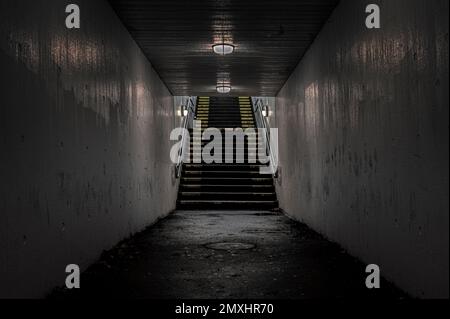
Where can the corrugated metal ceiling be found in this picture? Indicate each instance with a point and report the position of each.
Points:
(270, 38)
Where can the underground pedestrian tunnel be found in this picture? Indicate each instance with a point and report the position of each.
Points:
(342, 165)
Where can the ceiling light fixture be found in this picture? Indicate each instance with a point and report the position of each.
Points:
(223, 88)
(223, 49)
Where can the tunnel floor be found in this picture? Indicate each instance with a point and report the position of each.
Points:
(227, 254)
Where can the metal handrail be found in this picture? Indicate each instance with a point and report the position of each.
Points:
(191, 106)
(262, 123)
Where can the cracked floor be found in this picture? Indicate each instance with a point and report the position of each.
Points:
(227, 254)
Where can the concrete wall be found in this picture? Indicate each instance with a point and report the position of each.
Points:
(364, 140)
(84, 131)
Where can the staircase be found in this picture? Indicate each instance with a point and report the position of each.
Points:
(230, 184)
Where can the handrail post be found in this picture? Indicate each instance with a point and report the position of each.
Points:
(191, 105)
(257, 106)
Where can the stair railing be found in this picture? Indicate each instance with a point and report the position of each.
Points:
(188, 120)
(261, 123)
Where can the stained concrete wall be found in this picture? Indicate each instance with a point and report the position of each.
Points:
(84, 129)
(363, 124)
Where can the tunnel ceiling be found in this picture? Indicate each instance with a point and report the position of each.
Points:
(270, 38)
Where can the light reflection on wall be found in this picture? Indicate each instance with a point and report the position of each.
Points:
(24, 46)
(76, 60)
(73, 60)
(312, 109)
(389, 55)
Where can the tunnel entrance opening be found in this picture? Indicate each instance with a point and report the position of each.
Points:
(232, 178)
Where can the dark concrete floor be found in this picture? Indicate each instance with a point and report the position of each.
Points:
(173, 259)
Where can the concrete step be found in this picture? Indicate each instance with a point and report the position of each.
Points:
(241, 196)
(227, 188)
(226, 204)
(227, 180)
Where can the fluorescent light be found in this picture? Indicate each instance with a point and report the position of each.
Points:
(223, 49)
(223, 89)
(185, 112)
(264, 113)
